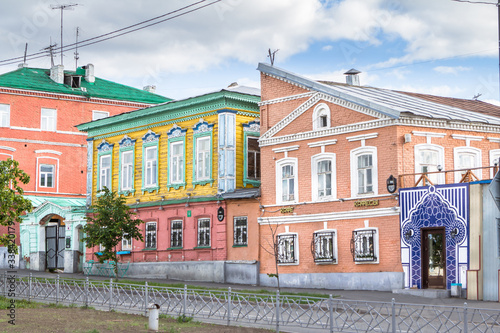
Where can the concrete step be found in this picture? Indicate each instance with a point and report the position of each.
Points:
(428, 293)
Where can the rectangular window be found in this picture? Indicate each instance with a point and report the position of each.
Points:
(4, 115)
(96, 115)
(46, 175)
(324, 179)
(126, 243)
(253, 158)
(127, 170)
(105, 172)
(150, 235)
(323, 246)
(203, 171)
(363, 245)
(204, 232)
(287, 249)
(176, 233)
(240, 230)
(151, 166)
(48, 120)
(429, 163)
(177, 162)
(287, 183)
(365, 174)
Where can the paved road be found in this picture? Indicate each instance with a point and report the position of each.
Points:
(361, 295)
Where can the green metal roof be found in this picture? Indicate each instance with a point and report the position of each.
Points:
(239, 99)
(39, 79)
(36, 201)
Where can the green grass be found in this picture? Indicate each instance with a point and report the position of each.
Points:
(19, 303)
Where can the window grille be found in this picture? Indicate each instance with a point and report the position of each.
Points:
(363, 245)
(286, 253)
(322, 247)
(240, 231)
(204, 232)
(151, 235)
(176, 233)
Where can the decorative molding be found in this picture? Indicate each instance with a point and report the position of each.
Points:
(429, 134)
(287, 98)
(7, 148)
(492, 139)
(252, 126)
(176, 132)
(44, 142)
(150, 136)
(322, 143)
(202, 127)
(362, 137)
(467, 137)
(126, 141)
(333, 216)
(47, 151)
(286, 149)
(105, 147)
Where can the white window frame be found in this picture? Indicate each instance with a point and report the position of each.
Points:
(227, 151)
(319, 235)
(283, 246)
(476, 154)
(127, 171)
(376, 245)
(315, 160)
(44, 175)
(256, 154)
(292, 161)
(150, 167)
(4, 115)
(439, 177)
(177, 172)
(203, 159)
(494, 157)
(126, 243)
(203, 231)
(181, 232)
(48, 122)
(103, 174)
(240, 238)
(320, 111)
(96, 115)
(152, 233)
(364, 150)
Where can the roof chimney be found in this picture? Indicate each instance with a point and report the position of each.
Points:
(57, 74)
(150, 88)
(89, 73)
(352, 77)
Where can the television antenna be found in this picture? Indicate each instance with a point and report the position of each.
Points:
(62, 8)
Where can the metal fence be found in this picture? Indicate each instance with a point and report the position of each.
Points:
(287, 312)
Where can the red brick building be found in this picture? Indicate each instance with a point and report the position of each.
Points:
(39, 109)
(330, 150)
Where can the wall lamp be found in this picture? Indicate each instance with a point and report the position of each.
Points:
(409, 234)
(136, 204)
(161, 203)
(454, 232)
(187, 202)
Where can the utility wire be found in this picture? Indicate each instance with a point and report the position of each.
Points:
(115, 33)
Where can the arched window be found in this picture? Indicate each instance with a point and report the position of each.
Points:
(321, 117)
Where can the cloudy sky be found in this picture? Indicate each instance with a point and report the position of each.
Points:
(440, 47)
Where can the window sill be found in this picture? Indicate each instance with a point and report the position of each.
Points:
(203, 182)
(176, 186)
(174, 248)
(202, 247)
(123, 252)
(150, 189)
(253, 182)
(240, 245)
(149, 249)
(126, 192)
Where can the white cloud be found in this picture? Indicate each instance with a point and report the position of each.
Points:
(451, 70)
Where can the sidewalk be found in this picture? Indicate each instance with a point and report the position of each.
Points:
(358, 295)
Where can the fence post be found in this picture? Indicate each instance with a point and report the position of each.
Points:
(30, 286)
(330, 306)
(466, 328)
(277, 311)
(393, 315)
(86, 292)
(184, 306)
(110, 294)
(229, 308)
(146, 298)
(5, 284)
(57, 289)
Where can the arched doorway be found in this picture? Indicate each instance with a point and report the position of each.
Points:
(55, 236)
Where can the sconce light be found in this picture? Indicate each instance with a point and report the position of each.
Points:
(409, 234)
(440, 167)
(341, 200)
(454, 232)
(187, 202)
(136, 204)
(392, 184)
(161, 203)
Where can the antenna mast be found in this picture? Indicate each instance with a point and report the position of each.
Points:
(76, 48)
(62, 8)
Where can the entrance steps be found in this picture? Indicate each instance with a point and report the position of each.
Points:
(428, 293)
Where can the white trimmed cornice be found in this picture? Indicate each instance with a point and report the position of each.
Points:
(467, 137)
(492, 139)
(333, 216)
(47, 151)
(429, 134)
(7, 148)
(44, 142)
(286, 99)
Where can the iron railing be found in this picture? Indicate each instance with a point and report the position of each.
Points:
(290, 312)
